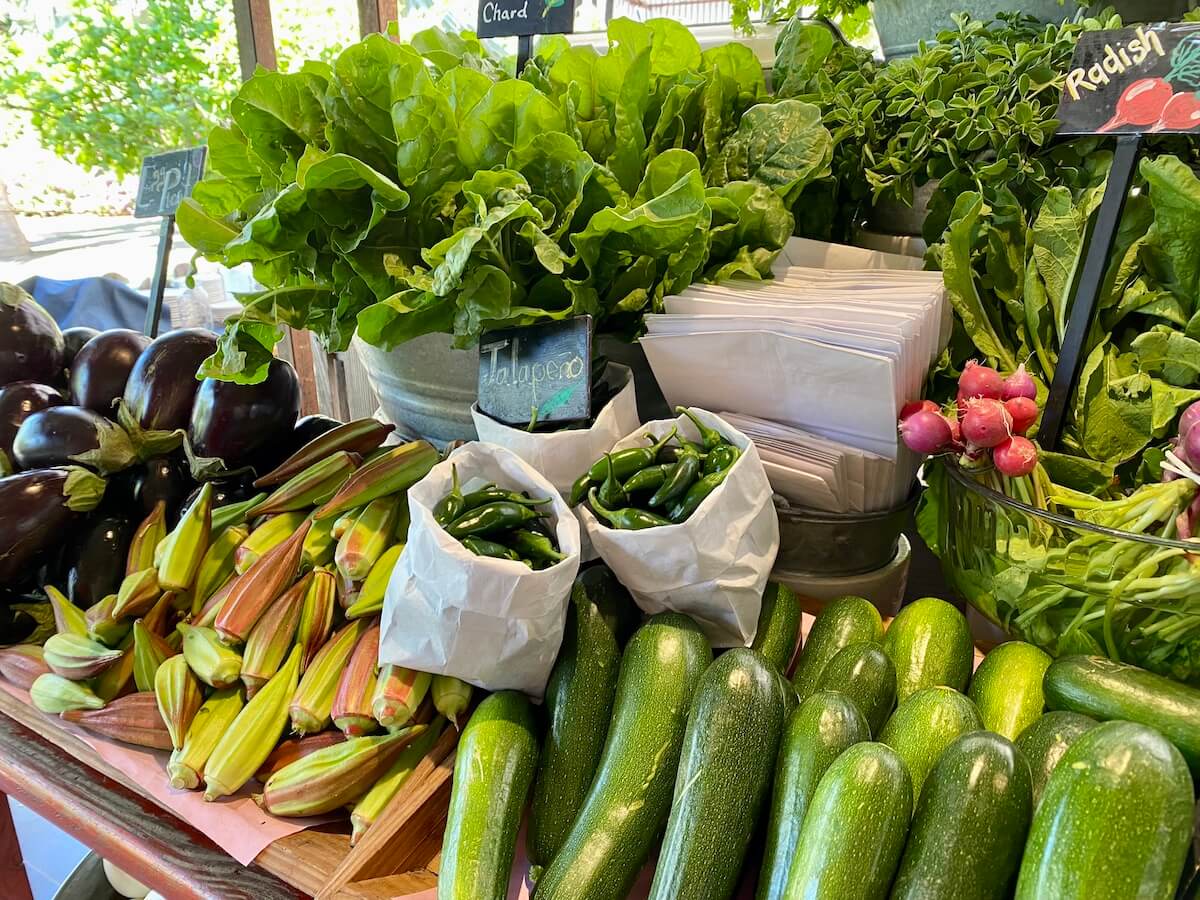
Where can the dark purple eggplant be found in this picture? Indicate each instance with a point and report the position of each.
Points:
(234, 489)
(73, 341)
(157, 404)
(62, 435)
(163, 478)
(102, 368)
(18, 401)
(234, 425)
(36, 509)
(31, 346)
(16, 625)
(309, 428)
(98, 556)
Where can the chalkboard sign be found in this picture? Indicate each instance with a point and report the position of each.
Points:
(506, 18)
(1135, 80)
(540, 370)
(166, 179)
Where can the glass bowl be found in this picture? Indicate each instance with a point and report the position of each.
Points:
(1066, 585)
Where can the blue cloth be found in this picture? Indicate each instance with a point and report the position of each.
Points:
(99, 303)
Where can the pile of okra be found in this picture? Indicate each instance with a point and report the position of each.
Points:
(662, 484)
(502, 524)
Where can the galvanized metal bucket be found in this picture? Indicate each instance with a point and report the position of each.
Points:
(427, 387)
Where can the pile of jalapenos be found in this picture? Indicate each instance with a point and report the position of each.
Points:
(498, 523)
(663, 484)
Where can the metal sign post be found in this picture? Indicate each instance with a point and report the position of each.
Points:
(1124, 82)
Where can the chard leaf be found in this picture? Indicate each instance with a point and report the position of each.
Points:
(404, 316)
(245, 351)
(510, 115)
(782, 145)
(1114, 406)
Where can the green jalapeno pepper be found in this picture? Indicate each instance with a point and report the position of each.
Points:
(493, 494)
(686, 471)
(672, 454)
(648, 479)
(695, 496)
(503, 515)
(481, 547)
(721, 458)
(710, 437)
(453, 504)
(610, 492)
(535, 546)
(625, 463)
(629, 519)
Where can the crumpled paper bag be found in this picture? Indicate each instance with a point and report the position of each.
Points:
(715, 565)
(495, 623)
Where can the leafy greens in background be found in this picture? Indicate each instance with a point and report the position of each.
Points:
(415, 188)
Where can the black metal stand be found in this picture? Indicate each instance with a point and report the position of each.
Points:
(158, 286)
(524, 51)
(1097, 248)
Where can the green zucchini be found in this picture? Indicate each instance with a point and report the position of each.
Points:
(1105, 689)
(815, 735)
(1114, 822)
(846, 620)
(494, 767)
(929, 644)
(724, 778)
(926, 724)
(863, 672)
(579, 698)
(630, 798)
(1046, 741)
(969, 827)
(854, 832)
(1007, 688)
(778, 626)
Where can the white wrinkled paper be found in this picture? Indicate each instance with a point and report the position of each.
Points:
(495, 623)
(715, 565)
(562, 455)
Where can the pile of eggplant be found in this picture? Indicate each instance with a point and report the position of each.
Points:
(97, 427)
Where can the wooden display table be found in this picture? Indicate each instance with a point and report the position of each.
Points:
(60, 778)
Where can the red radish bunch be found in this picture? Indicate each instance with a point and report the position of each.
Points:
(990, 418)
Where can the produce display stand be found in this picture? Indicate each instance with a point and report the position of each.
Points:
(60, 778)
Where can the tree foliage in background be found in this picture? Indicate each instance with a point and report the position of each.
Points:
(110, 88)
(118, 80)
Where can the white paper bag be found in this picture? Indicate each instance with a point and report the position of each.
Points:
(562, 455)
(715, 565)
(495, 623)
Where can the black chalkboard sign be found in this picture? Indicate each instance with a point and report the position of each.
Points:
(1135, 80)
(541, 372)
(166, 179)
(506, 18)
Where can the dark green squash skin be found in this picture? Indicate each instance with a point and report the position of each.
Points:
(1114, 822)
(1104, 689)
(778, 626)
(844, 621)
(865, 674)
(724, 778)
(1047, 740)
(814, 735)
(969, 827)
(924, 725)
(493, 770)
(854, 832)
(578, 707)
(930, 644)
(629, 800)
